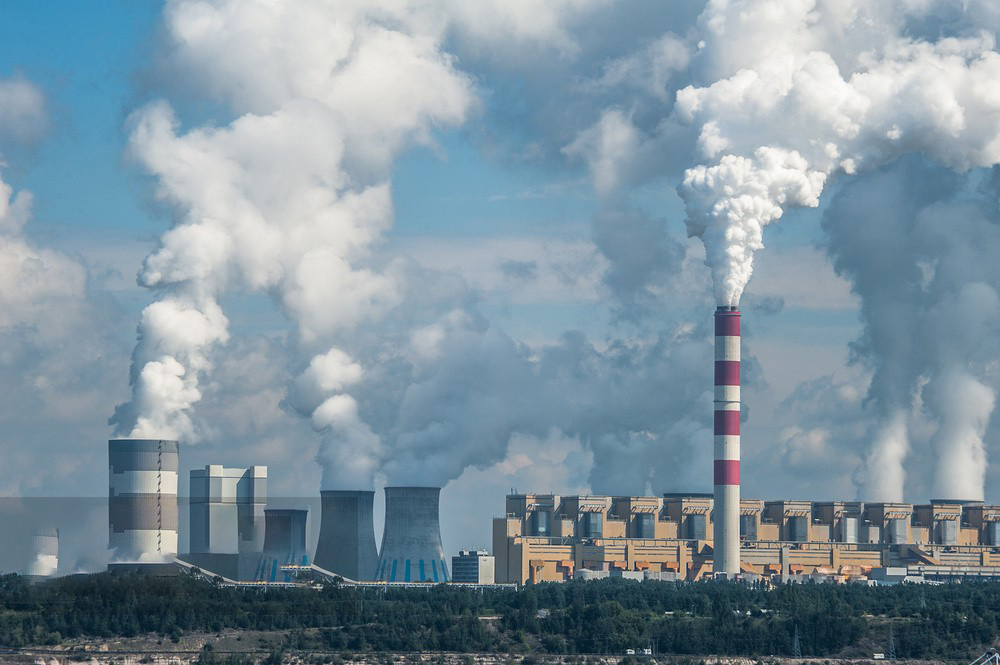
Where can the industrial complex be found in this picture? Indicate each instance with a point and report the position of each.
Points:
(236, 535)
(555, 538)
(233, 535)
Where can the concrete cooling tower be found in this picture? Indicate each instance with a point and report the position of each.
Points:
(726, 558)
(411, 543)
(45, 556)
(142, 501)
(284, 544)
(347, 534)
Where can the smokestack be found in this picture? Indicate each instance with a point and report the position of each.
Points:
(142, 501)
(411, 543)
(347, 534)
(727, 442)
(284, 543)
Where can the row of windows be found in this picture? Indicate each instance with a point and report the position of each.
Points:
(695, 527)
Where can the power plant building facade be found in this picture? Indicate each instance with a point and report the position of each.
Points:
(227, 509)
(142, 499)
(546, 537)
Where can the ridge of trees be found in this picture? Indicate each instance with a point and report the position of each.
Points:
(952, 621)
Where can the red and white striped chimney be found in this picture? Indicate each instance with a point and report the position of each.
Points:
(727, 442)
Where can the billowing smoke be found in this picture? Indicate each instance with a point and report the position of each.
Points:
(931, 312)
(395, 365)
(775, 122)
(288, 198)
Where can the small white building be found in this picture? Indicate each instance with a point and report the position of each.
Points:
(473, 567)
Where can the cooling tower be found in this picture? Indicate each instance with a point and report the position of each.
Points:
(411, 543)
(726, 558)
(284, 544)
(347, 534)
(45, 555)
(142, 501)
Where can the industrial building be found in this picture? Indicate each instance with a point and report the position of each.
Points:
(546, 537)
(411, 542)
(473, 567)
(284, 544)
(227, 509)
(234, 536)
(226, 523)
(142, 499)
(346, 544)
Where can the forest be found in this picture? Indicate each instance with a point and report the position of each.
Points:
(951, 621)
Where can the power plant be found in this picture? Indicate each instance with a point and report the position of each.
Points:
(232, 535)
(142, 499)
(411, 542)
(671, 538)
(346, 544)
(542, 537)
(726, 561)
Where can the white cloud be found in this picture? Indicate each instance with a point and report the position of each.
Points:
(23, 113)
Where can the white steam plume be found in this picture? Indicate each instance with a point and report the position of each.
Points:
(288, 198)
(930, 308)
(796, 96)
(964, 405)
(882, 477)
(776, 121)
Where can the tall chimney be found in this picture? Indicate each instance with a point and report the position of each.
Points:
(727, 442)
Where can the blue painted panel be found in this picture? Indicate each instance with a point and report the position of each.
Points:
(444, 571)
(434, 568)
(423, 576)
(392, 578)
(407, 577)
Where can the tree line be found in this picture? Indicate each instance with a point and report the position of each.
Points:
(952, 621)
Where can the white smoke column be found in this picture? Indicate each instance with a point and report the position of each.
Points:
(289, 197)
(961, 324)
(351, 451)
(883, 477)
(800, 90)
(965, 405)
